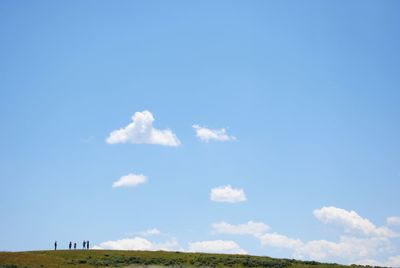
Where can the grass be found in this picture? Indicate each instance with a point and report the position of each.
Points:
(150, 259)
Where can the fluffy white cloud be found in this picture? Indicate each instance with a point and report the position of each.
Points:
(139, 243)
(130, 180)
(351, 221)
(141, 130)
(216, 246)
(136, 243)
(227, 194)
(249, 228)
(278, 240)
(206, 134)
(393, 220)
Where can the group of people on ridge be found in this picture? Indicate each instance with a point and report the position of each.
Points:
(85, 245)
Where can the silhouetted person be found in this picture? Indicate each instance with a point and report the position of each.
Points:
(75, 245)
(84, 244)
(70, 245)
(87, 244)
(55, 245)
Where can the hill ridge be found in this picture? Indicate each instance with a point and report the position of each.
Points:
(123, 258)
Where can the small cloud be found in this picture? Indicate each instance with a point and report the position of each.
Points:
(206, 134)
(249, 228)
(136, 243)
(130, 180)
(279, 240)
(139, 243)
(394, 220)
(151, 232)
(141, 131)
(227, 194)
(216, 246)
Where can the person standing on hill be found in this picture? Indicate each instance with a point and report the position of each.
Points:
(84, 244)
(75, 246)
(87, 244)
(70, 245)
(55, 245)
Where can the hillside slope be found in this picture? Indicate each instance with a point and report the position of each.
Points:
(114, 258)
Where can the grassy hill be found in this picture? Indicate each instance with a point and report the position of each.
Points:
(153, 259)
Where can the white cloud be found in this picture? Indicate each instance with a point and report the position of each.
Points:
(227, 194)
(136, 243)
(151, 232)
(278, 240)
(258, 230)
(351, 221)
(206, 134)
(141, 131)
(249, 228)
(216, 246)
(130, 180)
(395, 220)
(139, 243)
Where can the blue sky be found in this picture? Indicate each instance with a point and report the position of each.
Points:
(297, 104)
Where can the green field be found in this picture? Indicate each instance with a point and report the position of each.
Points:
(115, 258)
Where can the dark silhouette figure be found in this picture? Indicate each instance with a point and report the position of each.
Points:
(55, 245)
(87, 244)
(84, 244)
(75, 245)
(70, 245)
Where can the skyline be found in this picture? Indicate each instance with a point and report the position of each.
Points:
(264, 128)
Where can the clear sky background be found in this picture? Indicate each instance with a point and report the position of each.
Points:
(310, 90)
